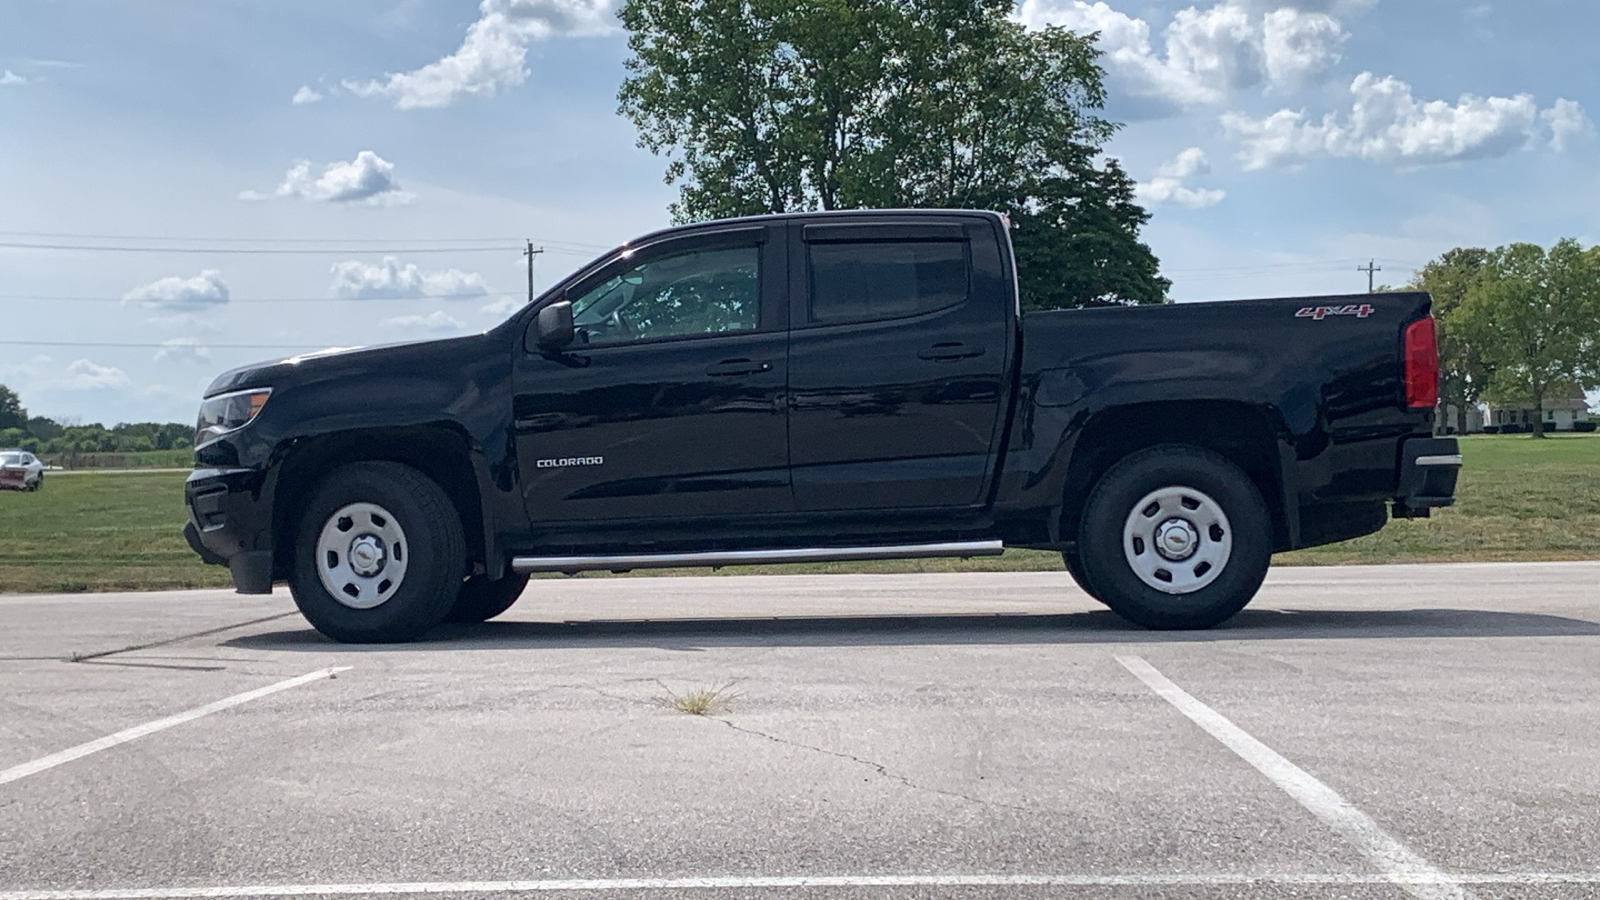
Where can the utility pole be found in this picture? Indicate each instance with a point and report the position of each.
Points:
(1369, 268)
(530, 253)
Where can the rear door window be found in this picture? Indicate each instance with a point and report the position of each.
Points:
(853, 281)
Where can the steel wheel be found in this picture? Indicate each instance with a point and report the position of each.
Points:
(361, 555)
(1177, 540)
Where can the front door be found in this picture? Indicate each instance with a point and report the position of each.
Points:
(670, 404)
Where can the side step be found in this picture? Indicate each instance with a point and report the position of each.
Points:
(719, 558)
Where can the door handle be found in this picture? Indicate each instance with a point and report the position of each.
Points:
(948, 350)
(738, 367)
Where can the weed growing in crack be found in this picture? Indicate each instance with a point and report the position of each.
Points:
(707, 701)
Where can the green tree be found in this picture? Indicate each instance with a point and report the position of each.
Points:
(1533, 319)
(1462, 374)
(12, 415)
(770, 106)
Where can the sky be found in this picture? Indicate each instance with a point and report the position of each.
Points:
(165, 165)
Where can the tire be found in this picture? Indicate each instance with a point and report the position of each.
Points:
(1074, 563)
(1175, 537)
(378, 554)
(481, 599)
(38, 483)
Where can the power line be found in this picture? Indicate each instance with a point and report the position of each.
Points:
(195, 346)
(494, 295)
(211, 239)
(345, 251)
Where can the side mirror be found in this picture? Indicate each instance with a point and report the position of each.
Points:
(553, 326)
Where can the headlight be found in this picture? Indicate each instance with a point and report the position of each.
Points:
(226, 412)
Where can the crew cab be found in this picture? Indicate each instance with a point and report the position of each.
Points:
(820, 386)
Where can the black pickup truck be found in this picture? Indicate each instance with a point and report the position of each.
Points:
(823, 386)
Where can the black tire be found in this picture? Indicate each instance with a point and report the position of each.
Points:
(1183, 472)
(38, 483)
(481, 599)
(433, 551)
(1074, 563)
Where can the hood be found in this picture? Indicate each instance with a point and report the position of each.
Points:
(337, 360)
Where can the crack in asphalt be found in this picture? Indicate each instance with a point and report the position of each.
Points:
(86, 657)
(878, 767)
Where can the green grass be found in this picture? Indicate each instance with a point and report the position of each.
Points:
(100, 532)
(1519, 500)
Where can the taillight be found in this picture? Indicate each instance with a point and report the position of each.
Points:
(1422, 365)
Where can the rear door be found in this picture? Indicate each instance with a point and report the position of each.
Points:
(899, 352)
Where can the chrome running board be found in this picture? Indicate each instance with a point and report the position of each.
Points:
(719, 558)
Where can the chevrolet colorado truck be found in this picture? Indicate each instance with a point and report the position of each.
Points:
(820, 386)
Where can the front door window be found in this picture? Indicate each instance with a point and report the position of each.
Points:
(693, 293)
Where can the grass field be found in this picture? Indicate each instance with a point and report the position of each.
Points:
(1519, 500)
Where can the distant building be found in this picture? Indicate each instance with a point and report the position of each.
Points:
(1559, 415)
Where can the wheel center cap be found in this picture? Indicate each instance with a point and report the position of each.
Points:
(1176, 539)
(367, 555)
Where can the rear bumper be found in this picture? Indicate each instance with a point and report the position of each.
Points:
(1428, 470)
(230, 524)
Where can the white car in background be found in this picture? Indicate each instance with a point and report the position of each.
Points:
(21, 470)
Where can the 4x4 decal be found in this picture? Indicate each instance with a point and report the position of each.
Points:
(1359, 310)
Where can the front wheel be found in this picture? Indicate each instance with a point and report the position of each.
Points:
(1175, 537)
(378, 554)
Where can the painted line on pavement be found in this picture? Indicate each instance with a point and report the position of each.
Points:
(598, 885)
(1399, 863)
(44, 763)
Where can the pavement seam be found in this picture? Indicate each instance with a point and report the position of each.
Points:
(86, 657)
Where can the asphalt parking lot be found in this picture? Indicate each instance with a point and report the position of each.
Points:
(1383, 732)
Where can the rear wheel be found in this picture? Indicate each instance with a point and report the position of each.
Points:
(378, 554)
(1175, 537)
(481, 599)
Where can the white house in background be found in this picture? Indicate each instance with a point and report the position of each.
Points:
(1559, 415)
(1474, 418)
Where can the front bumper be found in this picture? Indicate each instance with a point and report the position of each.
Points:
(230, 524)
(1428, 470)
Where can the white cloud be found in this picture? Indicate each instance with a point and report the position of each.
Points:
(204, 290)
(83, 375)
(507, 304)
(389, 280)
(1167, 186)
(1297, 46)
(369, 178)
(9, 77)
(183, 349)
(305, 95)
(491, 55)
(1387, 124)
(436, 321)
(1209, 54)
(1566, 121)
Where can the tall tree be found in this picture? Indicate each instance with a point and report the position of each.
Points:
(12, 415)
(1533, 318)
(782, 105)
(1462, 374)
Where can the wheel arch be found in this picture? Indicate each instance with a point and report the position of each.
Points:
(443, 452)
(1240, 432)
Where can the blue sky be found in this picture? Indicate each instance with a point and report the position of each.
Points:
(1279, 145)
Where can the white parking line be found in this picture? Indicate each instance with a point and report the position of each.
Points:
(138, 731)
(600, 885)
(1399, 863)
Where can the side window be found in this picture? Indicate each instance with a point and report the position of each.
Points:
(853, 281)
(693, 292)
